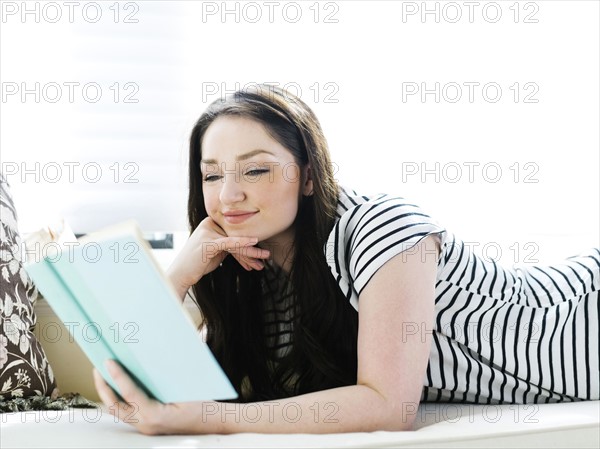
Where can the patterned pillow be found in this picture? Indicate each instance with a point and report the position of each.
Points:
(24, 368)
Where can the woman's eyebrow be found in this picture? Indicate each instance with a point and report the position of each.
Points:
(239, 157)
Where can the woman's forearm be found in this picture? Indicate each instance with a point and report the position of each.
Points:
(180, 288)
(356, 408)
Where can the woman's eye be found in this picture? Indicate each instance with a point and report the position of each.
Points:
(209, 178)
(256, 172)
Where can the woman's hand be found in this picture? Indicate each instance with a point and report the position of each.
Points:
(206, 248)
(138, 410)
(148, 416)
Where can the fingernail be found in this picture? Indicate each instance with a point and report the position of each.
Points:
(110, 364)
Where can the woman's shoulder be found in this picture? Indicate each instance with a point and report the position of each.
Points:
(350, 201)
(349, 198)
(369, 231)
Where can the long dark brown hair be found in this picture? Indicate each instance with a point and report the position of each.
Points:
(325, 325)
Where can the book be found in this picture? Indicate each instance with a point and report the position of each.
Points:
(117, 303)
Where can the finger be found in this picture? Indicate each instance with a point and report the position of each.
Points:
(251, 252)
(130, 392)
(231, 244)
(249, 264)
(254, 263)
(214, 225)
(122, 411)
(243, 263)
(105, 392)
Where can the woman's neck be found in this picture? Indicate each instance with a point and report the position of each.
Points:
(282, 250)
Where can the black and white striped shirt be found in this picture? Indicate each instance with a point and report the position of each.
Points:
(279, 314)
(500, 334)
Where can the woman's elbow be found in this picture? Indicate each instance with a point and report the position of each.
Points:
(400, 416)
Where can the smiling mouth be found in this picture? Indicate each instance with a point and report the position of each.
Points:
(235, 219)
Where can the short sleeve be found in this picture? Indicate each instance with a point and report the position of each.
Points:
(371, 232)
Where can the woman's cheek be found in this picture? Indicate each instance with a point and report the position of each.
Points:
(211, 203)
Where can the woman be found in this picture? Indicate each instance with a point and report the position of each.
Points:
(351, 309)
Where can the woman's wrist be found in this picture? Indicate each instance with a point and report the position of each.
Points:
(181, 287)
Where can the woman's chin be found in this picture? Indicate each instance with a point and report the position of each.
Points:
(241, 232)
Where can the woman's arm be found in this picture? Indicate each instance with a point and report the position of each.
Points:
(205, 249)
(395, 321)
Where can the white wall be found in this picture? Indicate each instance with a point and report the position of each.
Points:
(357, 66)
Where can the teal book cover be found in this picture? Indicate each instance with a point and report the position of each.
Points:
(109, 283)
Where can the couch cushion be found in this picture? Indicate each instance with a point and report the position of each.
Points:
(563, 424)
(24, 367)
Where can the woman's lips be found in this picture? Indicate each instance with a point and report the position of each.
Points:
(238, 218)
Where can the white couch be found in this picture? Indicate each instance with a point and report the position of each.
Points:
(437, 425)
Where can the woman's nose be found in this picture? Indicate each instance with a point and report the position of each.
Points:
(231, 190)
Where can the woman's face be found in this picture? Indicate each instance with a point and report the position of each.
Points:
(251, 183)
